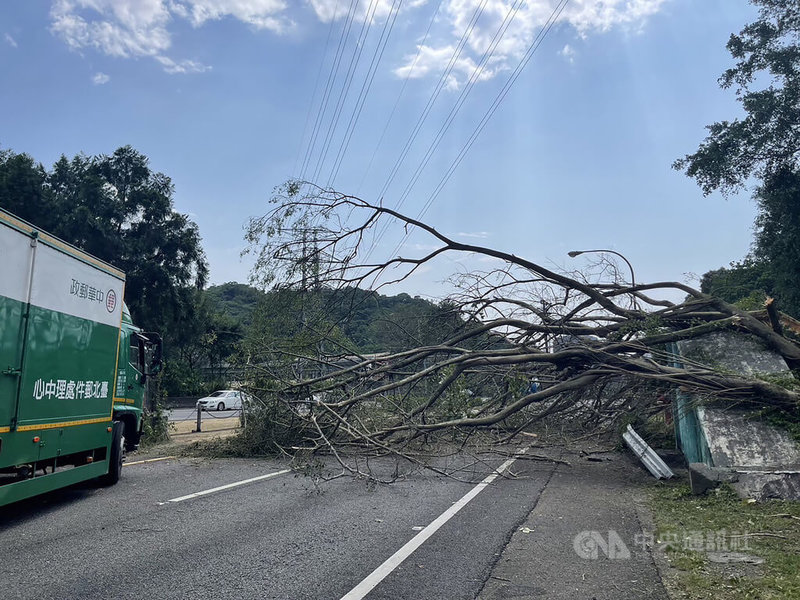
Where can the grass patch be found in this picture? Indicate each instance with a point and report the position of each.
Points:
(689, 527)
(270, 430)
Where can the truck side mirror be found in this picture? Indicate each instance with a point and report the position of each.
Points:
(156, 363)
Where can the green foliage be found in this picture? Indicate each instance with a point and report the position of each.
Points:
(770, 530)
(290, 324)
(117, 209)
(202, 350)
(777, 242)
(270, 428)
(457, 399)
(349, 320)
(774, 269)
(786, 419)
(748, 283)
(652, 324)
(23, 188)
(766, 77)
(155, 426)
(740, 281)
(763, 146)
(236, 301)
(297, 261)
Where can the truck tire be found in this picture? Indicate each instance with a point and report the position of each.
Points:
(115, 455)
(132, 436)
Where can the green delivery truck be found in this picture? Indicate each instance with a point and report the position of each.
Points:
(74, 370)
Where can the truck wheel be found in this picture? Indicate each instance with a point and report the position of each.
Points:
(132, 437)
(221, 406)
(115, 456)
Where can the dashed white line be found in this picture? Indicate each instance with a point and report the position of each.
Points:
(396, 559)
(227, 486)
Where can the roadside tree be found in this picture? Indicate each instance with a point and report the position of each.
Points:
(532, 342)
(762, 148)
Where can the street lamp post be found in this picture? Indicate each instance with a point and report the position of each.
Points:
(575, 253)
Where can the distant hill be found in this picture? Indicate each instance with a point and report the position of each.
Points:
(371, 321)
(235, 300)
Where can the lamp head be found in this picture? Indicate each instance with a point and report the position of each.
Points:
(574, 253)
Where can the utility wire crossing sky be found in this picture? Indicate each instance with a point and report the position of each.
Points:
(537, 127)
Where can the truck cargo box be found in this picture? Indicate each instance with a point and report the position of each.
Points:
(60, 323)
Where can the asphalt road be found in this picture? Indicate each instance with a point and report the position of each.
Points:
(279, 537)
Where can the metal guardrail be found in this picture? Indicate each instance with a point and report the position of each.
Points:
(647, 455)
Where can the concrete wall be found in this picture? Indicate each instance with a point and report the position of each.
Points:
(764, 461)
(735, 352)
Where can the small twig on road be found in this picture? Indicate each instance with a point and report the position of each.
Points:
(536, 457)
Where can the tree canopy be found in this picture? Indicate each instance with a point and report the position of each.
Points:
(533, 342)
(116, 208)
(777, 240)
(766, 79)
(761, 148)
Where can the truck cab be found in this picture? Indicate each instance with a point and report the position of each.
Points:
(139, 359)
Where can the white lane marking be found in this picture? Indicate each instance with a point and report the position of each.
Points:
(148, 460)
(396, 559)
(227, 486)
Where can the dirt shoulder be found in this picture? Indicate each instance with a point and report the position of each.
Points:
(182, 434)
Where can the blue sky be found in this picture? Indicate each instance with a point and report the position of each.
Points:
(222, 95)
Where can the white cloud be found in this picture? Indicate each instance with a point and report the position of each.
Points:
(427, 61)
(122, 28)
(568, 52)
(184, 66)
(584, 16)
(263, 14)
(480, 235)
(144, 28)
(329, 10)
(10, 40)
(100, 78)
(136, 28)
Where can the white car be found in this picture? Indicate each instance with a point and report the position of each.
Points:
(223, 400)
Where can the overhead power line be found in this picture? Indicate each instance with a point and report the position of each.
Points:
(434, 95)
(474, 77)
(530, 51)
(345, 89)
(328, 88)
(496, 103)
(365, 88)
(312, 102)
(426, 111)
(465, 91)
(399, 96)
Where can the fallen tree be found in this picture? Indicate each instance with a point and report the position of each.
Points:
(530, 342)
